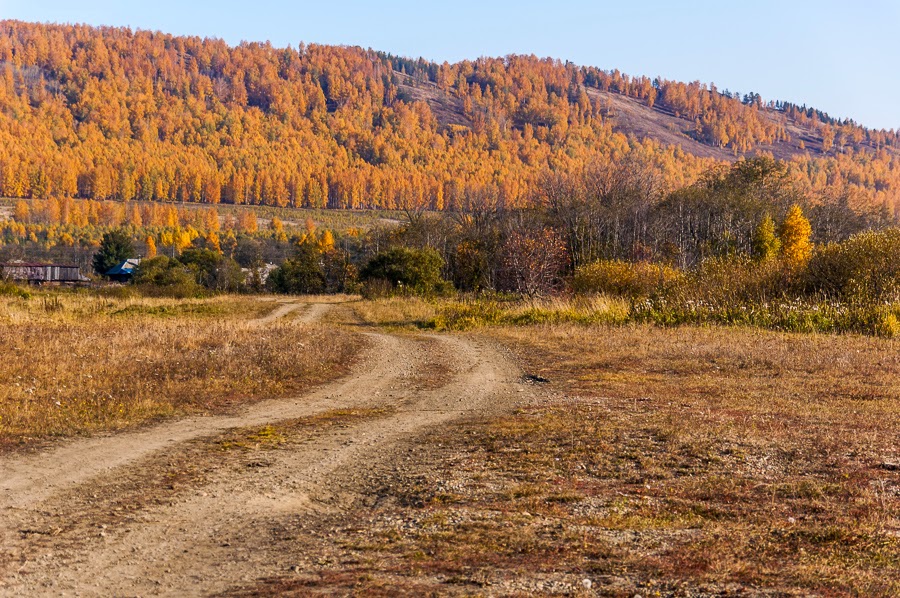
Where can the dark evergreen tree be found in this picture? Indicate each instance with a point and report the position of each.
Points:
(115, 248)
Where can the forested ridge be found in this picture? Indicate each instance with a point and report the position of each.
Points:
(111, 113)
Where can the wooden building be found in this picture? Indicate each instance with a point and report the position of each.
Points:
(35, 273)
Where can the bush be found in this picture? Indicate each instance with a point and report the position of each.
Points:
(213, 270)
(865, 267)
(10, 289)
(402, 270)
(888, 326)
(302, 274)
(533, 262)
(624, 279)
(165, 277)
(735, 281)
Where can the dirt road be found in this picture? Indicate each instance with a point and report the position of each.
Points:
(170, 511)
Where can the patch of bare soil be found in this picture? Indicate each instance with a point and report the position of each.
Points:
(447, 109)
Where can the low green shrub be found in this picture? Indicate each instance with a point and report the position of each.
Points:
(302, 274)
(166, 277)
(404, 271)
(11, 289)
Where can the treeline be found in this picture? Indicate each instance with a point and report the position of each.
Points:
(111, 113)
(66, 230)
(609, 211)
(623, 212)
(743, 244)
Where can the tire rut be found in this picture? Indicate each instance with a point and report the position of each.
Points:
(207, 542)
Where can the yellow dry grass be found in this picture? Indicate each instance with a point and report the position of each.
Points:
(76, 363)
(395, 312)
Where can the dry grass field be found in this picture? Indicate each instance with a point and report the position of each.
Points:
(713, 455)
(673, 462)
(614, 460)
(77, 363)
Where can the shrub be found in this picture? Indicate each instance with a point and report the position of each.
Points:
(402, 270)
(624, 279)
(888, 326)
(865, 267)
(165, 277)
(10, 289)
(213, 270)
(533, 262)
(735, 280)
(302, 274)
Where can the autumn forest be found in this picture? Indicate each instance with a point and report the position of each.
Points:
(111, 113)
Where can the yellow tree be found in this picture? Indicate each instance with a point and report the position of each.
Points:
(213, 241)
(827, 138)
(326, 241)
(277, 227)
(182, 241)
(247, 222)
(21, 212)
(796, 247)
(151, 247)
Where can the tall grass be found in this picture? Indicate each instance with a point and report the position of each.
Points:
(76, 363)
(478, 312)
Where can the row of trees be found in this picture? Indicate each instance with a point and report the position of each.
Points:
(742, 234)
(611, 213)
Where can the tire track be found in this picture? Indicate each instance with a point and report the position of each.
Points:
(207, 542)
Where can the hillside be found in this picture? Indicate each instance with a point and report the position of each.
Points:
(635, 118)
(110, 113)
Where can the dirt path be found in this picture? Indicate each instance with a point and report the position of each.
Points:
(215, 532)
(283, 309)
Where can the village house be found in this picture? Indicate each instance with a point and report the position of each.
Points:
(39, 273)
(124, 271)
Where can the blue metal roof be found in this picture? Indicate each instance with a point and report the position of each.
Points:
(126, 267)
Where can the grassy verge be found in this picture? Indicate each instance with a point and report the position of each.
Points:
(786, 315)
(468, 313)
(77, 363)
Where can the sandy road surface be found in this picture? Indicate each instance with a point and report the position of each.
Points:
(220, 534)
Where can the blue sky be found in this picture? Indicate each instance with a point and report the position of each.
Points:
(839, 56)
